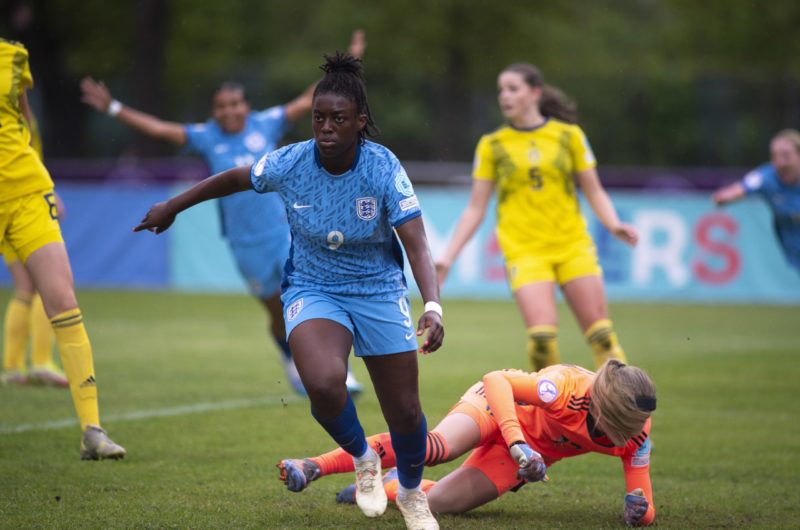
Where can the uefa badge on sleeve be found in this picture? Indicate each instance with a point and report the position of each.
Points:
(367, 208)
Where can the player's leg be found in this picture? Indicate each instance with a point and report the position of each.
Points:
(485, 475)
(395, 379)
(16, 327)
(537, 303)
(43, 366)
(456, 434)
(49, 267)
(37, 240)
(532, 281)
(581, 280)
(320, 347)
(586, 298)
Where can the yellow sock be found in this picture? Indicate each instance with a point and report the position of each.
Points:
(41, 334)
(543, 347)
(15, 334)
(604, 343)
(76, 355)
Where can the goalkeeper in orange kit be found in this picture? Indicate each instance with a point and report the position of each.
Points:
(518, 424)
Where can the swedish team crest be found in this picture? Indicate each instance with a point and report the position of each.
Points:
(367, 208)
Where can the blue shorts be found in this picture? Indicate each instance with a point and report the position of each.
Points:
(261, 264)
(379, 327)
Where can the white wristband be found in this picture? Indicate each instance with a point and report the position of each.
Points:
(113, 108)
(433, 306)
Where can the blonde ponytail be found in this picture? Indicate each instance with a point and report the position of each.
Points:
(622, 399)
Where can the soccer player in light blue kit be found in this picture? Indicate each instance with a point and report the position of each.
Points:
(253, 224)
(778, 182)
(348, 201)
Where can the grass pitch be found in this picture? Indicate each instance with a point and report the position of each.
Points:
(192, 387)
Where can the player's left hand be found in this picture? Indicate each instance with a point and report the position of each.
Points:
(531, 464)
(431, 321)
(635, 507)
(157, 219)
(626, 233)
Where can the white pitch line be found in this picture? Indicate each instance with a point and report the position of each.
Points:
(196, 408)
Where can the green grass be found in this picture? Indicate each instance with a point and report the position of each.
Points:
(726, 432)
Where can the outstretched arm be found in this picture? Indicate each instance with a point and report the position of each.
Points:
(639, 509)
(603, 207)
(468, 223)
(415, 243)
(300, 105)
(96, 95)
(162, 215)
(727, 194)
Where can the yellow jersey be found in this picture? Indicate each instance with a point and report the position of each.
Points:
(534, 175)
(21, 170)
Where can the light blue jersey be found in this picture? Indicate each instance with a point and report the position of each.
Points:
(247, 217)
(343, 242)
(784, 201)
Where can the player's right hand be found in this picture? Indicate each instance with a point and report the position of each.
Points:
(635, 507)
(157, 219)
(432, 321)
(95, 94)
(531, 465)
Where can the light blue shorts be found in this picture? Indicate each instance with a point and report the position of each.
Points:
(261, 264)
(379, 327)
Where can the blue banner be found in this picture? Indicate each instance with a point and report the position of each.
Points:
(688, 249)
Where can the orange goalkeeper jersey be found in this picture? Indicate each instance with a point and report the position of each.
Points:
(549, 410)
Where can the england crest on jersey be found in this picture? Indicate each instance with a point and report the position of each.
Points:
(367, 208)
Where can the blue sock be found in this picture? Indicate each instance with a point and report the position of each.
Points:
(346, 430)
(410, 452)
(284, 347)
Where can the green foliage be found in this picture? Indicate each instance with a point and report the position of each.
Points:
(725, 433)
(672, 82)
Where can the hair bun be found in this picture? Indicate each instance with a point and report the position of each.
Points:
(341, 62)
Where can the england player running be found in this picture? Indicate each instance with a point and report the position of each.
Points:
(778, 183)
(348, 199)
(253, 224)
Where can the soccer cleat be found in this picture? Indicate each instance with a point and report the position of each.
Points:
(348, 494)
(48, 374)
(293, 376)
(416, 512)
(14, 377)
(297, 474)
(96, 445)
(353, 386)
(370, 495)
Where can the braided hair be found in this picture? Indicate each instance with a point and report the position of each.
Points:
(344, 76)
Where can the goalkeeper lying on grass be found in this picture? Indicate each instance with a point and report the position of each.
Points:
(517, 425)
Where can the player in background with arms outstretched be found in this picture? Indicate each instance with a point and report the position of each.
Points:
(25, 320)
(519, 424)
(778, 183)
(533, 162)
(253, 224)
(29, 224)
(348, 201)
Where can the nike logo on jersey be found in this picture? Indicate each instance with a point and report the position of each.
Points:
(409, 335)
(300, 206)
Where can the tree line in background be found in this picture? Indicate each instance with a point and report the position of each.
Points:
(670, 82)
